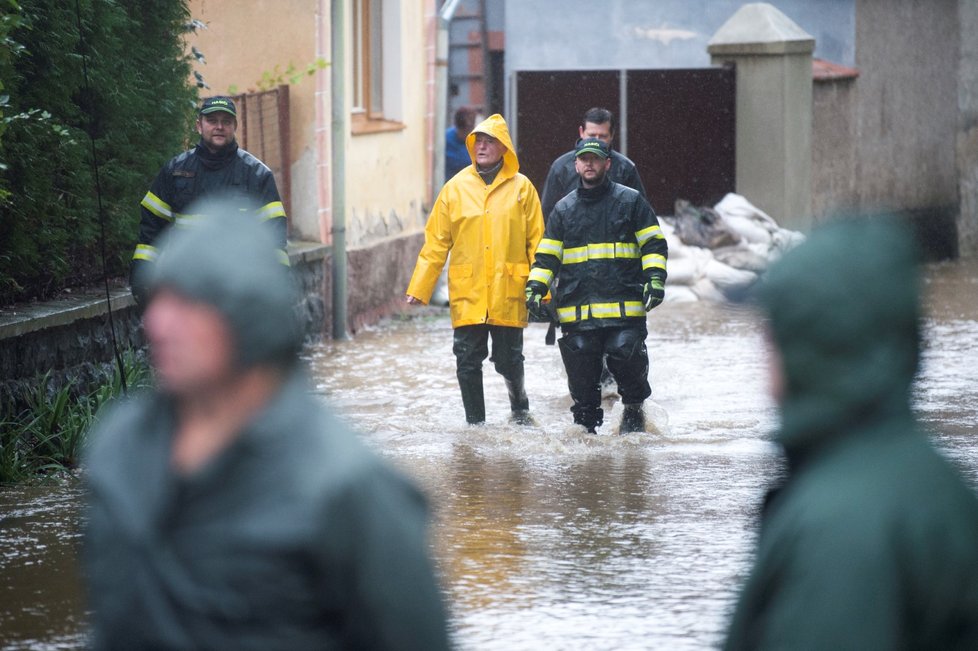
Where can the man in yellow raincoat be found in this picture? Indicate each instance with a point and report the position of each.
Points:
(488, 217)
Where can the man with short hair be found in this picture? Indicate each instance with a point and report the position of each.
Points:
(229, 509)
(563, 177)
(604, 247)
(216, 166)
(488, 218)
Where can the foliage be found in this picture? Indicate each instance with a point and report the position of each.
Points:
(137, 104)
(276, 77)
(45, 436)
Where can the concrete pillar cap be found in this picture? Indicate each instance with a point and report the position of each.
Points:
(760, 28)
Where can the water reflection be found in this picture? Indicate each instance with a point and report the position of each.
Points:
(546, 537)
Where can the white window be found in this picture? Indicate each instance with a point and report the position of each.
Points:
(376, 57)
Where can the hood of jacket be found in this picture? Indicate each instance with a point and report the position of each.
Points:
(495, 126)
(228, 259)
(843, 313)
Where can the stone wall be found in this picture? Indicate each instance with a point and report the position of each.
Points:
(887, 140)
(70, 338)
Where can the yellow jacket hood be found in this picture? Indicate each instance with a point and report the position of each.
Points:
(495, 126)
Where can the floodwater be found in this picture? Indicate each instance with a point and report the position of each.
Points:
(547, 537)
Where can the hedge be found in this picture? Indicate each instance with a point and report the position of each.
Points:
(138, 106)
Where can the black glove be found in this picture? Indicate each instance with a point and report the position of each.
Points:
(652, 293)
(535, 291)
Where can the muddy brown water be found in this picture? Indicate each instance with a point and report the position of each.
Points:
(545, 536)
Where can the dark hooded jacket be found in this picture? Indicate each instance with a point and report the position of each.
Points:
(293, 537)
(872, 541)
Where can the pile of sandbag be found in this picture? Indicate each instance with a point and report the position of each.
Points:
(715, 253)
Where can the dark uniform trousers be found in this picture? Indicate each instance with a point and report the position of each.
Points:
(471, 347)
(628, 361)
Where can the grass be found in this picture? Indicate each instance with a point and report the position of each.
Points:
(43, 438)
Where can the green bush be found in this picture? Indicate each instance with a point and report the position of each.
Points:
(44, 436)
(139, 108)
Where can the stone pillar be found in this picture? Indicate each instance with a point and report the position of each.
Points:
(773, 59)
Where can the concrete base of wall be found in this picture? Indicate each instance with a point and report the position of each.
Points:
(70, 338)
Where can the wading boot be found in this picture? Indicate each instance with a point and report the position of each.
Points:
(632, 419)
(473, 400)
(518, 402)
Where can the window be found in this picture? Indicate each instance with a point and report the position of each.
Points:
(376, 52)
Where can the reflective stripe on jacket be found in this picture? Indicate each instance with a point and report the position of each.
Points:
(603, 244)
(188, 177)
(491, 232)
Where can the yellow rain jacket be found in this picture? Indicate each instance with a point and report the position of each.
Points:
(492, 232)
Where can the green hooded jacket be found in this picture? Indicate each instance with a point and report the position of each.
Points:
(293, 537)
(872, 541)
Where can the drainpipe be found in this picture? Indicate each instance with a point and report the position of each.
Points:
(441, 93)
(338, 160)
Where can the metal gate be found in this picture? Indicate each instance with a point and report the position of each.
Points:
(263, 130)
(676, 125)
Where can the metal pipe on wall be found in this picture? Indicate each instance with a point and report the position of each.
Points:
(441, 93)
(338, 160)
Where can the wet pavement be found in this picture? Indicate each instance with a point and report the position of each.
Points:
(546, 536)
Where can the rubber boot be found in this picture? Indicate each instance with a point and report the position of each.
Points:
(473, 400)
(518, 402)
(632, 419)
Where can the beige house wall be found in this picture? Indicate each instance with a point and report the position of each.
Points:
(387, 171)
(239, 47)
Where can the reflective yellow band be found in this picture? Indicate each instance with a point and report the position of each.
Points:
(553, 247)
(145, 252)
(653, 261)
(575, 255)
(157, 206)
(271, 211)
(541, 275)
(185, 220)
(626, 250)
(601, 251)
(283, 257)
(601, 311)
(647, 234)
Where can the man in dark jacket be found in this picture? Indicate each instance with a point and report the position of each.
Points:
(230, 509)
(872, 541)
(562, 178)
(604, 247)
(215, 167)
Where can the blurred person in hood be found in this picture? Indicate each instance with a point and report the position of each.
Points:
(488, 218)
(228, 508)
(872, 540)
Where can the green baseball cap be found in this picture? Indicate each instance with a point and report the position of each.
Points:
(218, 103)
(592, 146)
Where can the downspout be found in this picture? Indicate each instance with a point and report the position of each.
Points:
(441, 93)
(338, 160)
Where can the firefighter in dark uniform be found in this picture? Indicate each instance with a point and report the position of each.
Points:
(604, 246)
(216, 166)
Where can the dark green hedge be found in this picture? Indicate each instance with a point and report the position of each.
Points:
(139, 107)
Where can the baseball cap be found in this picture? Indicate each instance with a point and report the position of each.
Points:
(218, 103)
(592, 146)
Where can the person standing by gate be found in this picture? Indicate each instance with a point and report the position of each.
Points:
(563, 177)
(604, 247)
(216, 167)
(488, 218)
